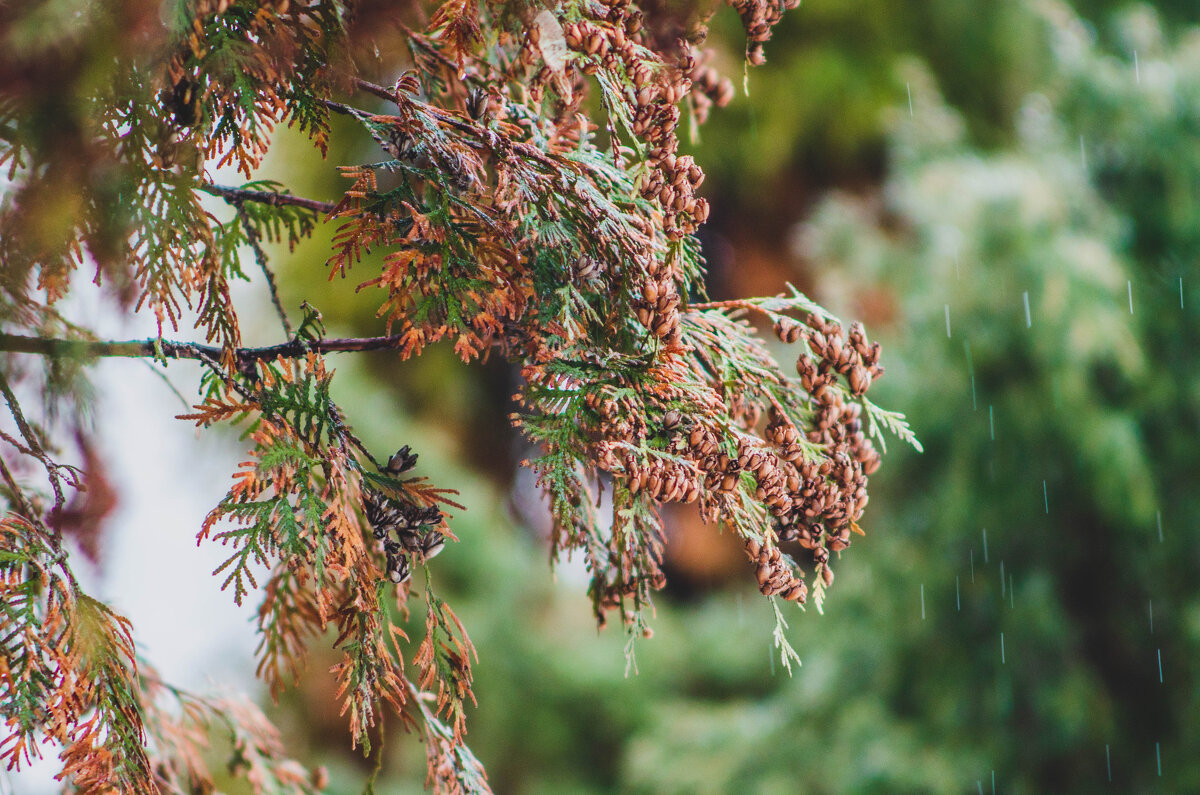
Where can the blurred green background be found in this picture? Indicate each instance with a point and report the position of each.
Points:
(1007, 194)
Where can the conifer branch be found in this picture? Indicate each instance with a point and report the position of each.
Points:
(169, 349)
(347, 110)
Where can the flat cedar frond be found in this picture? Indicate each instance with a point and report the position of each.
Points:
(169, 241)
(342, 498)
(106, 746)
(287, 618)
(69, 674)
(295, 505)
(216, 311)
(444, 660)
(371, 672)
(456, 23)
(234, 74)
(221, 408)
(353, 239)
(38, 672)
(68, 670)
(259, 754)
(288, 522)
(426, 494)
(280, 223)
(502, 226)
(453, 769)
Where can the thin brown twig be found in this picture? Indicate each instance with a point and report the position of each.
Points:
(238, 195)
(260, 257)
(20, 447)
(34, 443)
(23, 502)
(346, 110)
(167, 381)
(376, 89)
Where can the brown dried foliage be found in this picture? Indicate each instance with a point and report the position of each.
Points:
(503, 227)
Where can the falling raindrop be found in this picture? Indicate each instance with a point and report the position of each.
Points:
(971, 372)
(922, 601)
(1108, 762)
(1137, 72)
(1045, 496)
(947, 321)
(993, 782)
(1158, 756)
(1181, 292)
(1160, 678)
(910, 107)
(979, 783)
(1129, 286)
(992, 422)
(1028, 318)
(1001, 650)
(1160, 535)
(985, 545)
(1082, 153)
(1002, 587)
(957, 595)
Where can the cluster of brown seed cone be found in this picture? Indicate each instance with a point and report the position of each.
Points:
(811, 479)
(775, 576)
(709, 87)
(613, 39)
(758, 17)
(849, 355)
(403, 528)
(658, 309)
(813, 483)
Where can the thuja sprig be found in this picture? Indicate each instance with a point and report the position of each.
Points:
(68, 669)
(296, 506)
(35, 614)
(445, 658)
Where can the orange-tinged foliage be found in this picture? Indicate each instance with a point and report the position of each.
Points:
(505, 228)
